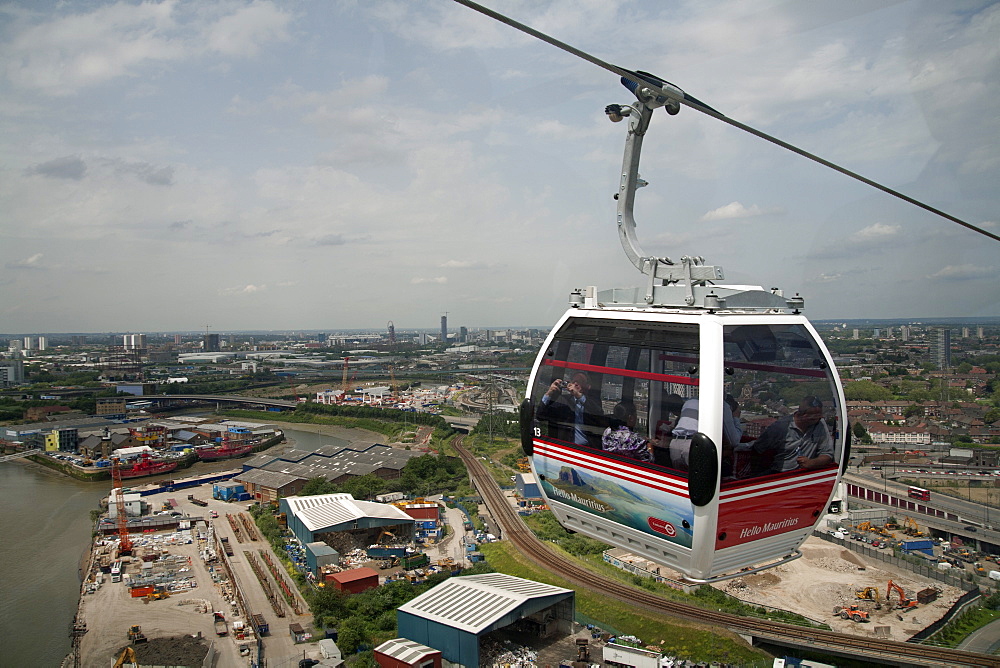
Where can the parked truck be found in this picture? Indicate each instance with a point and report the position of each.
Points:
(221, 628)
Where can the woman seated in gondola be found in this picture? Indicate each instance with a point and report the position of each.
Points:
(621, 437)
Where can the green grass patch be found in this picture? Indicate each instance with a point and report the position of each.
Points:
(671, 636)
(389, 429)
(959, 629)
(965, 624)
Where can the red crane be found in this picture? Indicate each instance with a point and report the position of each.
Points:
(124, 542)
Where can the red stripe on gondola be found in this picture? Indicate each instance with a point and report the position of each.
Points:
(735, 486)
(607, 466)
(645, 375)
(792, 371)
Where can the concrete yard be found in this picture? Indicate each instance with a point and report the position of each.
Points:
(175, 622)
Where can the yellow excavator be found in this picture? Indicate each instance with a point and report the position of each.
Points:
(870, 594)
(910, 528)
(127, 659)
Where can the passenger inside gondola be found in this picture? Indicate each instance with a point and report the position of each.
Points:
(687, 426)
(572, 412)
(622, 438)
(800, 441)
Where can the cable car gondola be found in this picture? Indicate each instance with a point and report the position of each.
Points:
(726, 396)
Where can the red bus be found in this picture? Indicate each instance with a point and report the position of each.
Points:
(918, 493)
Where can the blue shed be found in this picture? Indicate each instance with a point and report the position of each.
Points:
(320, 554)
(454, 615)
(228, 490)
(527, 486)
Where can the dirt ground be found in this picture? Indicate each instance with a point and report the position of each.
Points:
(828, 575)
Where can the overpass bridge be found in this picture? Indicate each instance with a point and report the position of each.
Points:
(282, 404)
(946, 516)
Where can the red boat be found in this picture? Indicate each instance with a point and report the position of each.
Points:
(145, 466)
(238, 441)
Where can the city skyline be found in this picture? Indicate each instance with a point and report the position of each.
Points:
(321, 165)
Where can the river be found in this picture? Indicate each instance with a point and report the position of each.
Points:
(46, 530)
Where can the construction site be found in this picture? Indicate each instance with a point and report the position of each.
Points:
(201, 586)
(205, 589)
(849, 592)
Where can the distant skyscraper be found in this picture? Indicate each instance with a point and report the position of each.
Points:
(177, 339)
(940, 348)
(965, 332)
(210, 343)
(877, 333)
(904, 332)
(29, 343)
(43, 343)
(11, 372)
(134, 341)
(857, 334)
(444, 327)
(979, 332)
(463, 334)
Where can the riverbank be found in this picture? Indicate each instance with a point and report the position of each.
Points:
(89, 474)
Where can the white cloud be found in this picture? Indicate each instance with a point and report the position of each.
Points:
(964, 272)
(876, 232)
(737, 210)
(420, 280)
(33, 262)
(244, 290)
(64, 54)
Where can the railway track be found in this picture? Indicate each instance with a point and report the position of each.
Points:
(872, 649)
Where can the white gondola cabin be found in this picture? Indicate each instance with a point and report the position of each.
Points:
(699, 425)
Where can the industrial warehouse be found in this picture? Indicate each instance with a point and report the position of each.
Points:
(458, 616)
(268, 477)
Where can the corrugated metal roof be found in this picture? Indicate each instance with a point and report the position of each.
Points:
(325, 510)
(269, 479)
(407, 651)
(473, 602)
(362, 573)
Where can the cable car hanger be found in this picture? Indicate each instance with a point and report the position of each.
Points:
(653, 92)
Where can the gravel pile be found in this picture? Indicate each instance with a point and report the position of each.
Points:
(177, 651)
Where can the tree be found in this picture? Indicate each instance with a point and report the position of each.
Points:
(913, 411)
(866, 390)
(991, 416)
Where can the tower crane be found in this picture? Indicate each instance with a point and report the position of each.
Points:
(346, 383)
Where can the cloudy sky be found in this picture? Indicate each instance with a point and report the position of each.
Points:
(331, 165)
